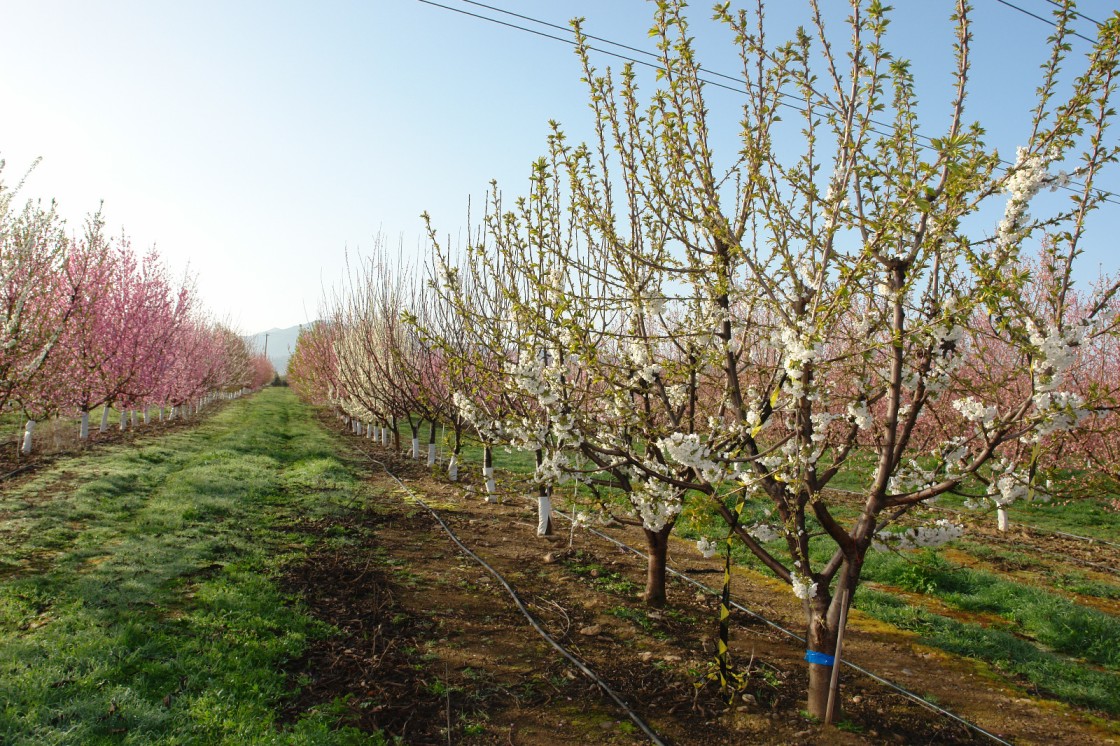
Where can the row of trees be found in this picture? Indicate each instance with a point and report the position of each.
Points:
(669, 328)
(88, 322)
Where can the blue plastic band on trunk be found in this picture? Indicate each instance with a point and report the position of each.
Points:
(821, 659)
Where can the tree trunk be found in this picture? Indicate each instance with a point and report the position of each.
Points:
(83, 432)
(821, 646)
(488, 473)
(27, 431)
(1001, 518)
(544, 503)
(104, 417)
(657, 544)
(432, 444)
(544, 512)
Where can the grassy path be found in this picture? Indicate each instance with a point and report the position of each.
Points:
(136, 602)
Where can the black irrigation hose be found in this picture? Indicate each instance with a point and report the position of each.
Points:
(16, 472)
(916, 698)
(905, 692)
(637, 720)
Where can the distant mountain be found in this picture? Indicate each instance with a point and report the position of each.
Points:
(281, 343)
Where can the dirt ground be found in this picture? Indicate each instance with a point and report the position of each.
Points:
(435, 651)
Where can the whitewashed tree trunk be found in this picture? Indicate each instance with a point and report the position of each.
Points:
(415, 448)
(28, 429)
(83, 432)
(431, 455)
(147, 415)
(544, 515)
(385, 436)
(135, 419)
(491, 485)
(104, 418)
(124, 420)
(1001, 518)
(453, 468)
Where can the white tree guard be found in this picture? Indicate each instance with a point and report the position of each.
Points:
(544, 514)
(28, 429)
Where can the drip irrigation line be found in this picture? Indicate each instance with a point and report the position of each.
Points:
(634, 717)
(917, 698)
(16, 472)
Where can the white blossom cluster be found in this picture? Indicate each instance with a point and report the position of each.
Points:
(554, 468)
(910, 477)
(953, 453)
(488, 428)
(940, 532)
(860, 414)
(537, 379)
(803, 587)
(975, 411)
(946, 357)
(798, 353)
(657, 503)
(1060, 410)
(688, 450)
(644, 367)
(1027, 178)
(1007, 489)
(677, 394)
(526, 435)
(764, 532)
(1056, 352)
(707, 547)
(555, 282)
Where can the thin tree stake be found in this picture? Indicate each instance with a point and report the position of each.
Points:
(834, 684)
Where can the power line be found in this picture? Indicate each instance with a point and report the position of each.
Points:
(1047, 21)
(1077, 13)
(924, 140)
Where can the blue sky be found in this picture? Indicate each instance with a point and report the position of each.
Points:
(259, 142)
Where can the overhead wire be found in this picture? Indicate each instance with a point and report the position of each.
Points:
(924, 141)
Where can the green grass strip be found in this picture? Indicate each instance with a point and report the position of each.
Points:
(1055, 621)
(1049, 674)
(137, 600)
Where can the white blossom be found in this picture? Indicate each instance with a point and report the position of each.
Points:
(860, 414)
(974, 411)
(803, 587)
(940, 532)
(707, 547)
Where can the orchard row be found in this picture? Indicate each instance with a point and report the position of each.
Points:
(88, 322)
(673, 329)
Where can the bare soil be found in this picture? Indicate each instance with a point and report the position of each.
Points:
(433, 650)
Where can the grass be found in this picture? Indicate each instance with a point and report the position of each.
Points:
(137, 599)
(1045, 672)
(1056, 622)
